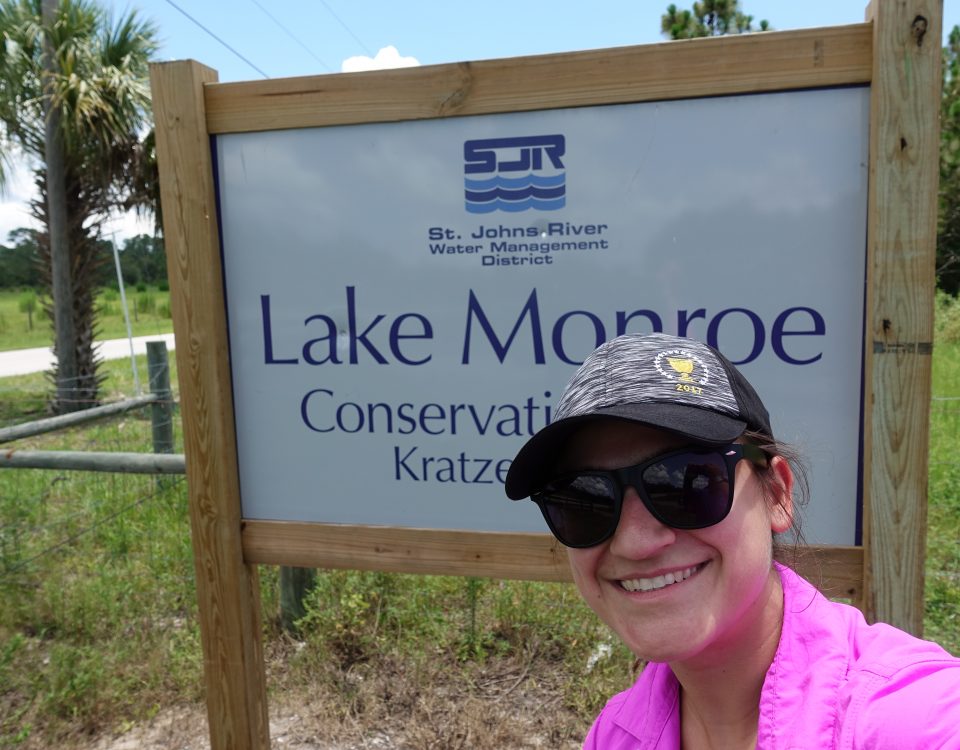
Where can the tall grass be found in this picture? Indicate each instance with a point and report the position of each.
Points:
(942, 613)
(96, 579)
(99, 628)
(98, 623)
(22, 329)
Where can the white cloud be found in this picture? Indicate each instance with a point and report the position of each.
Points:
(14, 198)
(120, 227)
(387, 57)
(19, 190)
(13, 216)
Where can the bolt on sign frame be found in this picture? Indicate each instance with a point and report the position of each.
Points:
(896, 53)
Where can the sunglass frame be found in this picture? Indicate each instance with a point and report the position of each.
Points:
(632, 476)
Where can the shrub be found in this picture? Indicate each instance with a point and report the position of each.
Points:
(146, 303)
(947, 318)
(27, 303)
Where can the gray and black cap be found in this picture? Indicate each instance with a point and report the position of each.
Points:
(667, 382)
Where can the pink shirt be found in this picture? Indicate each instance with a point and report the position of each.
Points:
(835, 682)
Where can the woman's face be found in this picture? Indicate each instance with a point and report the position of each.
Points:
(725, 588)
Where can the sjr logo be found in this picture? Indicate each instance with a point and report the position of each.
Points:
(514, 174)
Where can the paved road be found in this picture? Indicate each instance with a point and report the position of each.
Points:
(23, 361)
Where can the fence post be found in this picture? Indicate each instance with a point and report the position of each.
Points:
(294, 585)
(161, 410)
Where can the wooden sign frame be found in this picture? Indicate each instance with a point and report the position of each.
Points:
(896, 52)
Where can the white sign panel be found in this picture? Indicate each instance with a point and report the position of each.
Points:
(406, 301)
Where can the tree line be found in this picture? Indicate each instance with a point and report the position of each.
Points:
(948, 229)
(142, 261)
(74, 96)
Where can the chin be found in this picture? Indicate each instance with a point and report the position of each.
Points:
(677, 649)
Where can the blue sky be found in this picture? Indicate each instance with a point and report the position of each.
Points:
(433, 31)
(301, 37)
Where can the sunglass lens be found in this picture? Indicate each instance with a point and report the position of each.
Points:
(580, 510)
(689, 490)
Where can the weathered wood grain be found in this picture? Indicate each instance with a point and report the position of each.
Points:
(531, 557)
(747, 63)
(227, 588)
(901, 248)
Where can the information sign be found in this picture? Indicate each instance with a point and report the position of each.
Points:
(422, 291)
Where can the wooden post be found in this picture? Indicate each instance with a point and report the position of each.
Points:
(901, 246)
(98, 461)
(227, 588)
(294, 585)
(52, 424)
(161, 410)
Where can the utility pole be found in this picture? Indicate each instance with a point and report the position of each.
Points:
(60, 252)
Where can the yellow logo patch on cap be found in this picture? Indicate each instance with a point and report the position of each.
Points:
(688, 371)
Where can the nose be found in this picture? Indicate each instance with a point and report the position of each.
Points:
(639, 534)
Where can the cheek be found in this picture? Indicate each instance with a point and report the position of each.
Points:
(583, 564)
(746, 533)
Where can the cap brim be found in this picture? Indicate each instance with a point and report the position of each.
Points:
(537, 459)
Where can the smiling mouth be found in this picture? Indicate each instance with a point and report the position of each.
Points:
(659, 582)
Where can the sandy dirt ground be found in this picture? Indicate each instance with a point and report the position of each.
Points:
(185, 728)
(302, 728)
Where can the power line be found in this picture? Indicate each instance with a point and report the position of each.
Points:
(291, 35)
(349, 31)
(218, 38)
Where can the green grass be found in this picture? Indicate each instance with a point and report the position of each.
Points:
(96, 577)
(149, 315)
(942, 614)
(22, 398)
(99, 625)
(99, 628)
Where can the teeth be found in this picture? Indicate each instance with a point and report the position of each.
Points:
(658, 582)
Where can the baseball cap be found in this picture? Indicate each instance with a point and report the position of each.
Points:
(668, 382)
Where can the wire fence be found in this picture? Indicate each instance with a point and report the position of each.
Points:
(945, 409)
(47, 515)
(9, 569)
(97, 573)
(43, 517)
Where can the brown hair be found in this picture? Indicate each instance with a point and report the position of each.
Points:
(789, 546)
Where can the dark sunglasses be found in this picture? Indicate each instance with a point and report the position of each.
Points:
(689, 488)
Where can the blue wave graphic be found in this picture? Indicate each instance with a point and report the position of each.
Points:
(531, 191)
(516, 206)
(512, 183)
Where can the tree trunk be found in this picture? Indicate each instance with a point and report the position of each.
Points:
(67, 374)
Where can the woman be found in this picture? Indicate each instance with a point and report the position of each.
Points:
(661, 474)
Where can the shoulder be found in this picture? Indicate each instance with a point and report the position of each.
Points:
(866, 686)
(898, 692)
(645, 715)
(605, 733)
(903, 693)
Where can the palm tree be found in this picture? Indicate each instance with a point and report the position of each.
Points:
(71, 65)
